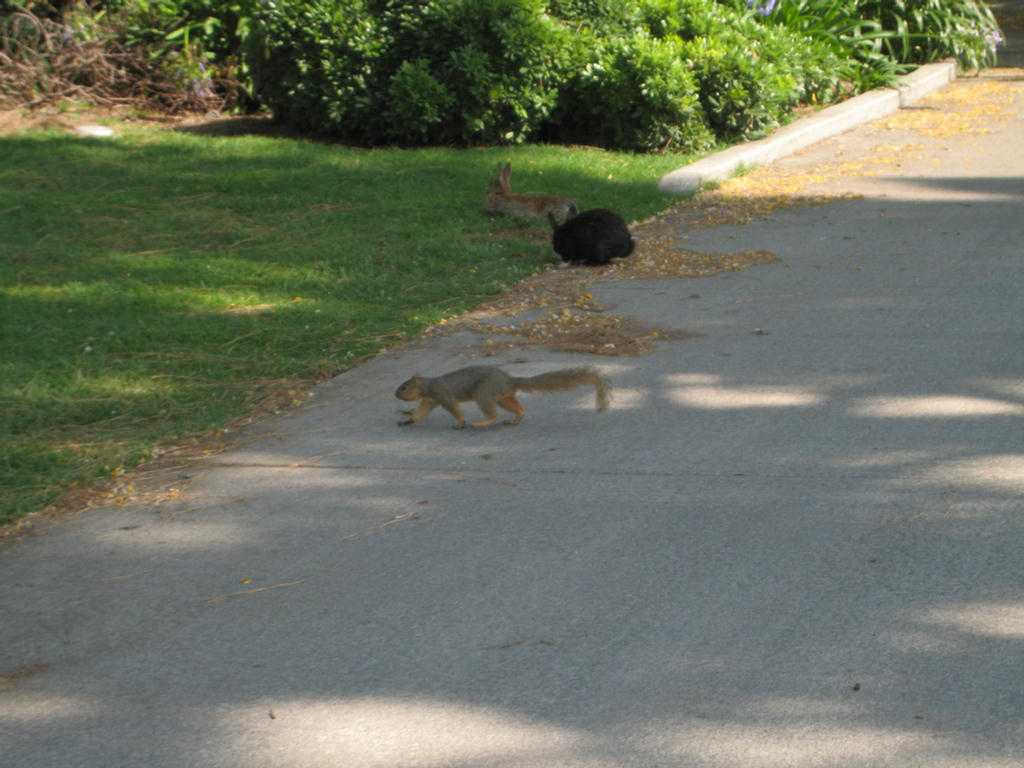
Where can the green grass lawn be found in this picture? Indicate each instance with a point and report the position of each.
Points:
(161, 283)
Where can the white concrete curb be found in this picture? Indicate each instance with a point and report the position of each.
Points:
(809, 130)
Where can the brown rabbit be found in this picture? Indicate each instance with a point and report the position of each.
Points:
(500, 199)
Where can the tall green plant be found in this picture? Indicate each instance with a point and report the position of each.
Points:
(927, 30)
(885, 37)
(858, 41)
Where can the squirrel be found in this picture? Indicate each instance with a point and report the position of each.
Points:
(490, 387)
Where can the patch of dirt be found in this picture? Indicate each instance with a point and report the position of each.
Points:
(235, 125)
(20, 120)
(556, 310)
(576, 331)
(71, 115)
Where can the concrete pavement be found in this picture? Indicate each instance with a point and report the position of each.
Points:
(795, 539)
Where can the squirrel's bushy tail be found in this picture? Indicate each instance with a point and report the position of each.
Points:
(569, 378)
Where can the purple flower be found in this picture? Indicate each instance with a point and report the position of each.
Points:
(198, 89)
(764, 10)
(993, 39)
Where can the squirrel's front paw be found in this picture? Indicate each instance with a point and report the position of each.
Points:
(406, 423)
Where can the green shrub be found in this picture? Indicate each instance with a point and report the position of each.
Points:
(632, 74)
(637, 93)
(499, 61)
(604, 18)
(464, 71)
(417, 103)
(314, 63)
(733, 93)
(749, 75)
(655, 75)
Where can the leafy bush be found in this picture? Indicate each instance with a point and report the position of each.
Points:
(313, 63)
(749, 76)
(620, 73)
(648, 60)
(636, 93)
(464, 71)
(735, 93)
(500, 61)
(417, 102)
(604, 18)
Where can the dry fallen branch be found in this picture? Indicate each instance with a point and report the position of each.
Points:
(42, 62)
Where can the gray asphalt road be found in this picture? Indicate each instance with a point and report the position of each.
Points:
(795, 540)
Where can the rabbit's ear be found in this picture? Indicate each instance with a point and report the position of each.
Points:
(503, 175)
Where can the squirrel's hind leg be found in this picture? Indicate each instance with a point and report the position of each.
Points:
(491, 418)
(490, 410)
(509, 403)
